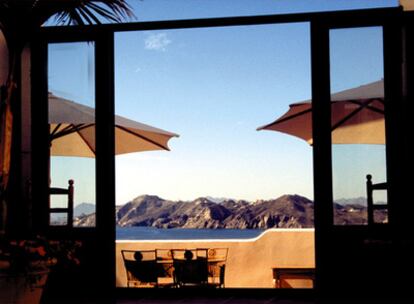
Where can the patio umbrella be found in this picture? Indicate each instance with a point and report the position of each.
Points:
(72, 131)
(357, 117)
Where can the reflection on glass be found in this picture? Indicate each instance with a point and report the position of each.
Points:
(380, 200)
(380, 197)
(58, 201)
(58, 219)
(358, 129)
(72, 118)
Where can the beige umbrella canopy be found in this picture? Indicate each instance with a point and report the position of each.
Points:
(357, 117)
(72, 131)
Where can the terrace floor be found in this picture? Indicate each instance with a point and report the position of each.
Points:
(233, 300)
(229, 296)
(251, 300)
(217, 301)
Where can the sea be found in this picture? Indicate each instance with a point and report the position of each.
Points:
(150, 233)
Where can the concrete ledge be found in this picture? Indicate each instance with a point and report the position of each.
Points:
(249, 262)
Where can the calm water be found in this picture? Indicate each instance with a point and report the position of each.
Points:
(149, 233)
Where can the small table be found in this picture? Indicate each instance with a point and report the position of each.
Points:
(293, 273)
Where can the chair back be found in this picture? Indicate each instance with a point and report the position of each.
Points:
(217, 258)
(374, 217)
(65, 211)
(190, 267)
(141, 267)
(166, 267)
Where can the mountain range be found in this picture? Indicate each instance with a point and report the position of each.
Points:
(84, 209)
(287, 211)
(79, 211)
(153, 211)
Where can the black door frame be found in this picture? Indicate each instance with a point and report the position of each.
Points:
(325, 230)
(104, 231)
(103, 35)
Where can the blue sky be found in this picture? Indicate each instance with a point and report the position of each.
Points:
(150, 10)
(214, 87)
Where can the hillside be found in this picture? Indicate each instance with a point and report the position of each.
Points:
(84, 209)
(287, 211)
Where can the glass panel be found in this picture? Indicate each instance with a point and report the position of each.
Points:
(358, 130)
(72, 116)
(221, 179)
(381, 216)
(58, 201)
(380, 201)
(58, 219)
(380, 197)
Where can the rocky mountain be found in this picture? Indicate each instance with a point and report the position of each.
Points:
(85, 221)
(353, 211)
(80, 211)
(84, 215)
(352, 201)
(84, 209)
(287, 211)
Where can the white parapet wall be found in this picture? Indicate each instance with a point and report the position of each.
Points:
(249, 262)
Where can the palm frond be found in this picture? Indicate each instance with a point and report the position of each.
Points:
(78, 12)
(75, 12)
(20, 18)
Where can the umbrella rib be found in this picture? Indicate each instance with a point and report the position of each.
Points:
(68, 129)
(363, 105)
(55, 130)
(143, 137)
(85, 141)
(368, 106)
(374, 109)
(287, 118)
